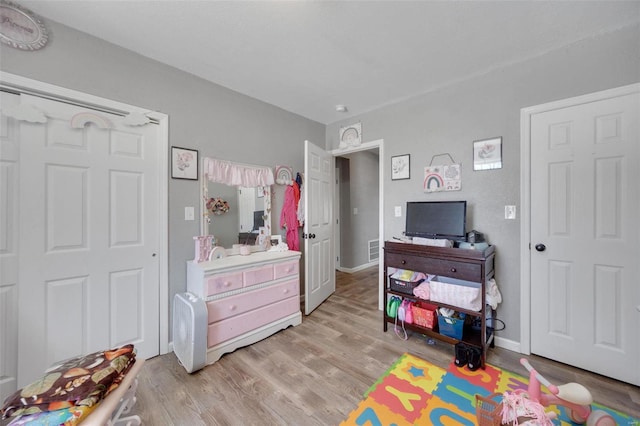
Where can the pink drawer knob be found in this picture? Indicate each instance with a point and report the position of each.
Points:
(286, 290)
(226, 284)
(232, 307)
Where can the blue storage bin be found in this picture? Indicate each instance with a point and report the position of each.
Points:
(451, 327)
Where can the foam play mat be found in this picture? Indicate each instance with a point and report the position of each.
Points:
(416, 392)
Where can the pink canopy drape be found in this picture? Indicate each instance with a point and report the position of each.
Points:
(235, 174)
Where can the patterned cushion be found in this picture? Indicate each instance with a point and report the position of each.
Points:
(80, 381)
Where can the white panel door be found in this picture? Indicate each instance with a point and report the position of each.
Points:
(320, 274)
(88, 268)
(585, 237)
(246, 207)
(9, 221)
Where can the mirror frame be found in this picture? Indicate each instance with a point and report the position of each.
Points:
(266, 183)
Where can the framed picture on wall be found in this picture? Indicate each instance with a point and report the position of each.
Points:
(400, 167)
(184, 163)
(487, 154)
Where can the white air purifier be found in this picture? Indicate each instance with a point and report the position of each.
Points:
(190, 331)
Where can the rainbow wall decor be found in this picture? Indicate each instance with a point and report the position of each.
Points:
(442, 178)
(81, 119)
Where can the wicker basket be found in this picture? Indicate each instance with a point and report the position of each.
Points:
(489, 410)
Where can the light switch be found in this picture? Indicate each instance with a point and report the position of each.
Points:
(509, 212)
(398, 211)
(355, 210)
(189, 213)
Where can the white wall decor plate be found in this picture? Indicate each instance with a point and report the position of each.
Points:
(351, 135)
(20, 28)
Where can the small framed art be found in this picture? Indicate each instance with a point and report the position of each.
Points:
(184, 163)
(400, 167)
(487, 154)
(276, 240)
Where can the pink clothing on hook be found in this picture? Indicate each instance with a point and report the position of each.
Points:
(289, 218)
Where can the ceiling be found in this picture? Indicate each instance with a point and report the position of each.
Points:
(308, 56)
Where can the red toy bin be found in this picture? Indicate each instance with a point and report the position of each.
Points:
(424, 315)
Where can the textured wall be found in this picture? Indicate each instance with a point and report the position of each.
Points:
(450, 119)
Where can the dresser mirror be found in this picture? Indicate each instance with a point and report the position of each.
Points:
(235, 204)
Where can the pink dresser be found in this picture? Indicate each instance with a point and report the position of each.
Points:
(248, 297)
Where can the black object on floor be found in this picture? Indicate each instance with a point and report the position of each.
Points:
(474, 355)
(461, 354)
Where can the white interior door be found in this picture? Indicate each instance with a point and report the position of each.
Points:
(9, 220)
(89, 242)
(246, 207)
(320, 276)
(585, 198)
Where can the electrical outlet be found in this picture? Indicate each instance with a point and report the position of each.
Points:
(509, 212)
(398, 211)
(189, 213)
(355, 210)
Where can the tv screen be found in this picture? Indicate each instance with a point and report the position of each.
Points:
(436, 219)
(258, 219)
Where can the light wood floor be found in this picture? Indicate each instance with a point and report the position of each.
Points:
(317, 372)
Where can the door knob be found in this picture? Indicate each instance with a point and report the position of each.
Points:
(541, 247)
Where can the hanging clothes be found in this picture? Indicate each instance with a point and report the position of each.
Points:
(301, 211)
(289, 217)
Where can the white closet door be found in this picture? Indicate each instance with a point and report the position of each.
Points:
(9, 221)
(89, 273)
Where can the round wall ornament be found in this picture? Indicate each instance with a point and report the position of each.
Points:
(20, 28)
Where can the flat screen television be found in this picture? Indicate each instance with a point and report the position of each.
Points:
(258, 219)
(436, 219)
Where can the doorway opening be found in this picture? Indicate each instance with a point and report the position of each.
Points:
(350, 206)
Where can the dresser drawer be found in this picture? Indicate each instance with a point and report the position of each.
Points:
(286, 269)
(228, 329)
(221, 283)
(447, 268)
(258, 275)
(240, 303)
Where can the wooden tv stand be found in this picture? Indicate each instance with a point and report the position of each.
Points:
(464, 264)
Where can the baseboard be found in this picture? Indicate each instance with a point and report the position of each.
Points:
(508, 344)
(357, 268)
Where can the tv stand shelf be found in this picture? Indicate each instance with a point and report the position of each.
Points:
(464, 264)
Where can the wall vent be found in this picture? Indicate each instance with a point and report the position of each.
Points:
(374, 250)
